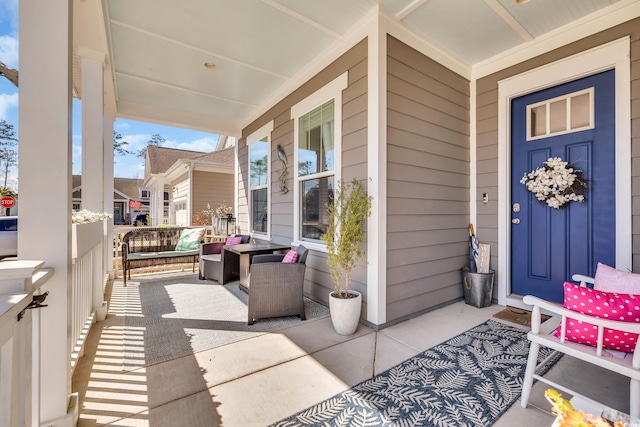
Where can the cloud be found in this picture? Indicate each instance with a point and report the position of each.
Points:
(121, 125)
(131, 169)
(136, 141)
(9, 51)
(7, 101)
(203, 144)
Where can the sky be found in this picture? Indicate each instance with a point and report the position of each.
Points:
(137, 134)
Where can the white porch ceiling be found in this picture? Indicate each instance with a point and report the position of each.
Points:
(156, 49)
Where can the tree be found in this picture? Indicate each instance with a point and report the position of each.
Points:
(156, 140)
(119, 146)
(8, 156)
(7, 134)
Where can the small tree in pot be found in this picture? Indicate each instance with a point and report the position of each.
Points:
(344, 237)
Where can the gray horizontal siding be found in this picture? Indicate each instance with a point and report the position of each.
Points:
(318, 283)
(427, 181)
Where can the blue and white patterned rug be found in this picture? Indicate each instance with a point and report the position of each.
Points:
(469, 380)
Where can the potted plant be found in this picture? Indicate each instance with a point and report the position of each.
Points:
(344, 237)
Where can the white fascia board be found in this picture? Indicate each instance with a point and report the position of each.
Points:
(181, 119)
(179, 168)
(212, 167)
(153, 179)
(122, 195)
(601, 20)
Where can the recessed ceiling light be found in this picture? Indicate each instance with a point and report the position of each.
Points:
(209, 65)
(522, 1)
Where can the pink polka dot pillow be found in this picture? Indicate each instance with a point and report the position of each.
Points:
(604, 305)
(233, 240)
(609, 279)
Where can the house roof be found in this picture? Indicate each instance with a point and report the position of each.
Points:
(222, 157)
(218, 66)
(129, 187)
(161, 158)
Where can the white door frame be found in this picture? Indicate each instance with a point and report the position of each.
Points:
(613, 55)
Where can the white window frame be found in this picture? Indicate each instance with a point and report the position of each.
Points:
(332, 90)
(258, 135)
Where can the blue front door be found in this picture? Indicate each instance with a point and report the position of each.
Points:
(549, 245)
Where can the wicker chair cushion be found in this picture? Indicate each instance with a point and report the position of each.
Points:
(290, 257)
(212, 257)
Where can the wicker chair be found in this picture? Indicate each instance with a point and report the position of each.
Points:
(276, 288)
(212, 257)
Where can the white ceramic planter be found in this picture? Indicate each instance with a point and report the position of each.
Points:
(345, 313)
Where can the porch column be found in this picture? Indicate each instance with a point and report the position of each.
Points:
(93, 165)
(377, 172)
(45, 187)
(109, 119)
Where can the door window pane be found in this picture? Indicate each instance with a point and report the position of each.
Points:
(580, 111)
(539, 120)
(558, 116)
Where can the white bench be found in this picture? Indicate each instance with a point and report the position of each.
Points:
(542, 335)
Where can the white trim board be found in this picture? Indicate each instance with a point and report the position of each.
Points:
(613, 55)
(377, 173)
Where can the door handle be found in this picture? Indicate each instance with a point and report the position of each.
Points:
(515, 220)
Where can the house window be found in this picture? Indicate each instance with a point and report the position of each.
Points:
(75, 206)
(318, 130)
(316, 140)
(144, 194)
(572, 112)
(259, 144)
(259, 176)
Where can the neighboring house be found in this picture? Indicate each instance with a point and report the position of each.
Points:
(129, 198)
(182, 182)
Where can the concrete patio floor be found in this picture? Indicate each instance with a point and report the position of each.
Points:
(261, 380)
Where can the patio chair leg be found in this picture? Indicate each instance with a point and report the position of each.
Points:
(527, 384)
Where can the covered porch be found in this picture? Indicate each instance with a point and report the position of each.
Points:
(261, 380)
(378, 53)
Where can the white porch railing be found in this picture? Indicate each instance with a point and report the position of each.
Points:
(19, 281)
(20, 327)
(87, 282)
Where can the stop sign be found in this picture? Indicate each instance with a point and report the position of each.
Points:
(7, 202)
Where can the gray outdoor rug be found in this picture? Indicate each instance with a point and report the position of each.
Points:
(174, 315)
(469, 380)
